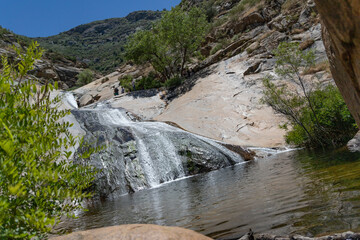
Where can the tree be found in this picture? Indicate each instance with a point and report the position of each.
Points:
(171, 43)
(85, 77)
(318, 115)
(38, 182)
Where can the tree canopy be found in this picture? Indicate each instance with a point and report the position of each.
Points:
(171, 43)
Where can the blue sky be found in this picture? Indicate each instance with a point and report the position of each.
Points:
(41, 18)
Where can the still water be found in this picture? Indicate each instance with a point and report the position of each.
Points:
(295, 192)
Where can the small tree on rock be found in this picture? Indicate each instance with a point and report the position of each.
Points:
(318, 115)
(171, 43)
(85, 77)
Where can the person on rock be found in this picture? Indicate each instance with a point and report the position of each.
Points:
(116, 91)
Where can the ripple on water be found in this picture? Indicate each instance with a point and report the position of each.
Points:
(292, 192)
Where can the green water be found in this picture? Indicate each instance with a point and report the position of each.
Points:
(297, 192)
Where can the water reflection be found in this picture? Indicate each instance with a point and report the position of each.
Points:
(295, 192)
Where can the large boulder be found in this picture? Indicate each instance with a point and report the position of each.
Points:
(67, 74)
(140, 154)
(135, 231)
(341, 35)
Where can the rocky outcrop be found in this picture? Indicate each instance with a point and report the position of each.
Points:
(51, 67)
(135, 231)
(139, 155)
(341, 34)
(354, 144)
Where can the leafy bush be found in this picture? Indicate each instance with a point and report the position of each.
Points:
(104, 80)
(38, 182)
(85, 77)
(148, 82)
(169, 46)
(173, 82)
(126, 82)
(319, 117)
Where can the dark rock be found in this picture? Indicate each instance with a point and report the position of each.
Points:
(67, 75)
(251, 21)
(253, 68)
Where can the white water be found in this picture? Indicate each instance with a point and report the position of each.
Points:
(158, 147)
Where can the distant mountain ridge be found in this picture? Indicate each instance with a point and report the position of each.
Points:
(100, 44)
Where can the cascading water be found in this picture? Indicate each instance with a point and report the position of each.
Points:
(140, 155)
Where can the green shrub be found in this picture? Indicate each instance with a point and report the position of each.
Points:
(85, 77)
(172, 42)
(336, 125)
(104, 80)
(173, 82)
(148, 82)
(222, 44)
(318, 116)
(38, 182)
(126, 82)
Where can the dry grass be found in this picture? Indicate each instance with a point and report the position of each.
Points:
(265, 35)
(291, 4)
(323, 66)
(307, 43)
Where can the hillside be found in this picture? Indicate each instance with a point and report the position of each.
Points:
(52, 66)
(100, 44)
(227, 85)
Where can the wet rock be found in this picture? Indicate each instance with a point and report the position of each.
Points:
(140, 155)
(86, 100)
(135, 231)
(354, 144)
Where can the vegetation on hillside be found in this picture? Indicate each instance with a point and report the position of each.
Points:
(100, 44)
(38, 182)
(8, 36)
(85, 77)
(318, 116)
(171, 43)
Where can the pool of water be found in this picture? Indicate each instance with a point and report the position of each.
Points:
(295, 192)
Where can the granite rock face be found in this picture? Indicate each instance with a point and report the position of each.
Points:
(341, 35)
(139, 155)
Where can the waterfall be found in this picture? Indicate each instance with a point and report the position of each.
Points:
(140, 154)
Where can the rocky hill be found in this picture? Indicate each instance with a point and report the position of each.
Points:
(52, 66)
(222, 99)
(100, 44)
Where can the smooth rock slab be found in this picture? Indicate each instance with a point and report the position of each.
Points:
(135, 231)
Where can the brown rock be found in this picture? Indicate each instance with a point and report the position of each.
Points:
(306, 44)
(341, 35)
(135, 231)
(86, 100)
(253, 19)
